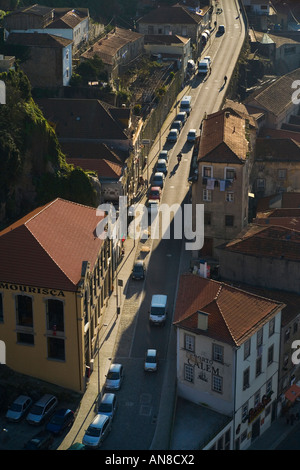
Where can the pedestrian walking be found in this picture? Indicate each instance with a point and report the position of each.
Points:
(225, 79)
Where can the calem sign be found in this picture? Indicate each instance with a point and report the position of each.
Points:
(2, 352)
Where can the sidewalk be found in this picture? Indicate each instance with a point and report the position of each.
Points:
(277, 432)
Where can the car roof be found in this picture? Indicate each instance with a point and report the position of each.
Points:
(153, 201)
(99, 420)
(21, 399)
(151, 352)
(164, 151)
(115, 367)
(159, 173)
(155, 188)
(192, 130)
(138, 262)
(108, 397)
(45, 398)
(174, 130)
(161, 160)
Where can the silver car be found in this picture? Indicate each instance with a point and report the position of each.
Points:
(151, 360)
(158, 179)
(114, 377)
(97, 431)
(18, 408)
(108, 405)
(42, 409)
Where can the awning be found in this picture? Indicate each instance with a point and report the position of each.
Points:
(292, 393)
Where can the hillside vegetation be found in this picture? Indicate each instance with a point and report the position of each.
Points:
(33, 168)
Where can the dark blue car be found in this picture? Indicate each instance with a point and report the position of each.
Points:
(61, 420)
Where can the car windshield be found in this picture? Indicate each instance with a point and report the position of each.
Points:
(37, 410)
(93, 432)
(104, 407)
(151, 359)
(157, 178)
(57, 419)
(113, 375)
(160, 165)
(138, 268)
(157, 311)
(15, 407)
(154, 193)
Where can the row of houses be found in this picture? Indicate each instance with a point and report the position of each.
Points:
(55, 36)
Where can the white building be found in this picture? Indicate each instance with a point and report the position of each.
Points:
(228, 343)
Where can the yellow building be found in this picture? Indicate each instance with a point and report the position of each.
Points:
(55, 276)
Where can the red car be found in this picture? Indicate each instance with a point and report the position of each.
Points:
(155, 193)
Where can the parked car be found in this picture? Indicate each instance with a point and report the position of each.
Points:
(114, 377)
(182, 116)
(153, 206)
(163, 155)
(18, 409)
(138, 271)
(162, 166)
(208, 58)
(221, 29)
(41, 441)
(158, 179)
(191, 137)
(42, 409)
(177, 125)
(77, 446)
(108, 405)
(61, 420)
(173, 135)
(155, 192)
(97, 431)
(151, 360)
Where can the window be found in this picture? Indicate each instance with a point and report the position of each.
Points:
(258, 366)
(207, 195)
(257, 398)
(1, 309)
(56, 348)
(270, 354)
(217, 383)
(269, 386)
(150, 29)
(55, 315)
(229, 173)
(271, 327)
(229, 220)
(295, 326)
(259, 338)
(282, 174)
(188, 373)
(218, 353)
(245, 412)
(247, 348)
(189, 342)
(207, 171)
(287, 334)
(246, 376)
(229, 197)
(260, 183)
(24, 311)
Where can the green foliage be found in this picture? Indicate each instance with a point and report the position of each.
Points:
(30, 151)
(89, 70)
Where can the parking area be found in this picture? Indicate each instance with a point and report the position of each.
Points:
(15, 435)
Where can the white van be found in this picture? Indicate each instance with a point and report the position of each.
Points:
(186, 104)
(158, 309)
(203, 67)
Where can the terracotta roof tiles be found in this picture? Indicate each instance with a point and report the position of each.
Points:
(47, 247)
(233, 314)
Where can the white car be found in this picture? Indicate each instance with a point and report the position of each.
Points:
(191, 137)
(208, 58)
(151, 360)
(173, 135)
(97, 431)
(114, 377)
(158, 179)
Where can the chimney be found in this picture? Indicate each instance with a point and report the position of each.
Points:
(202, 320)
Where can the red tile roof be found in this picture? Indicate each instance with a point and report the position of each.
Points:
(103, 168)
(46, 248)
(233, 314)
(270, 242)
(223, 138)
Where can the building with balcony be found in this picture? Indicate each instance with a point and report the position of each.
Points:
(228, 345)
